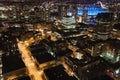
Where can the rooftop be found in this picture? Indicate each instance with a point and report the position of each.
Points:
(12, 63)
(58, 73)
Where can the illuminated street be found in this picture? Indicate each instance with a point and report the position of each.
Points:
(32, 69)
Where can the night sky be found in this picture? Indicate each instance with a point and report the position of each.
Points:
(73, 1)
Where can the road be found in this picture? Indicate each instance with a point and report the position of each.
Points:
(29, 61)
(34, 73)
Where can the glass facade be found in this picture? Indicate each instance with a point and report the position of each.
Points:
(92, 11)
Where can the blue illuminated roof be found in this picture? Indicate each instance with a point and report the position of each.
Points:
(91, 10)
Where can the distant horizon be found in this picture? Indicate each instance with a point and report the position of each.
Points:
(67, 1)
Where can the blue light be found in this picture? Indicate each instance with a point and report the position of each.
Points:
(92, 23)
(93, 11)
